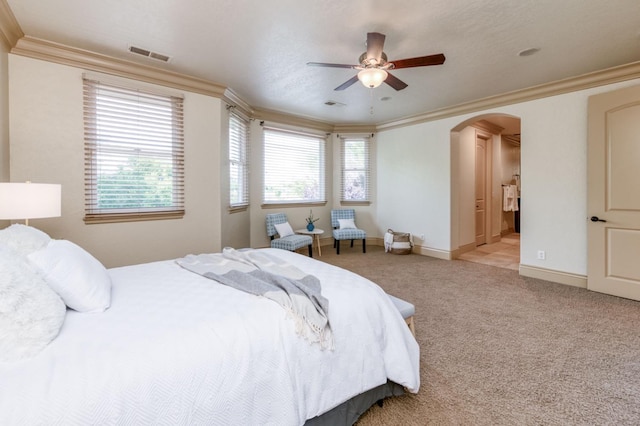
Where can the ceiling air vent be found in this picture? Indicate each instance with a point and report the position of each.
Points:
(149, 54)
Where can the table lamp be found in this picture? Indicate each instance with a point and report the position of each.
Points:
(29, 200)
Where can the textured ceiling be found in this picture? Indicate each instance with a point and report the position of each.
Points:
(259, 49)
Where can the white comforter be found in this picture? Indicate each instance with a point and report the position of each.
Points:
(176, 348)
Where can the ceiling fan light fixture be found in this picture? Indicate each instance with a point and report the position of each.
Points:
(372, 77)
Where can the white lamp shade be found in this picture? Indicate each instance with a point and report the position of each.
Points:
(372, 77)
(29, 200)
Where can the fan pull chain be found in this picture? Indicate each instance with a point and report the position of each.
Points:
(371, 103)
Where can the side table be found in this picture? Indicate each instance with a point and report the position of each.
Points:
(315, 234)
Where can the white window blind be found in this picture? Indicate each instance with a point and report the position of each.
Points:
(134, 154)
(294, 167)
(356, 165)
(238, 161)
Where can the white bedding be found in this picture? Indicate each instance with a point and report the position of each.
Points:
(176, 348)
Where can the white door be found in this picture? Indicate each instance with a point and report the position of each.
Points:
(614, 193)
(481, 184)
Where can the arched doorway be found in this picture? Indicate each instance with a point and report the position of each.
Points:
(478, 217)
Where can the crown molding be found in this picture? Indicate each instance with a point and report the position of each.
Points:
(292, 120)
(355, 129)
(58, 53)
(586, 81)
(12, 35)
(232, 98)
(10, 31)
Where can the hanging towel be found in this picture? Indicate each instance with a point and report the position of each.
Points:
(509, 198)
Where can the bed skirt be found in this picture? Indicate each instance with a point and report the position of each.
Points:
(350, 411)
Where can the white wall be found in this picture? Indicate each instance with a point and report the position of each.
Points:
(414, 169)
(46, 131)
(466, 183)
(415, 166)
(413, 178)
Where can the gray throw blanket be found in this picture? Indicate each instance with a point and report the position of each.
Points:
(258, 273)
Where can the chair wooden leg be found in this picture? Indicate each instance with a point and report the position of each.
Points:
(337, 246)
(364, 245)
(351, 243)
(411, 325)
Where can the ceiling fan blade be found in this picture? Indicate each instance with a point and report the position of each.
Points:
(395, 82)
(375, 43)
(347, 83)
(323, 64)
(421, 61)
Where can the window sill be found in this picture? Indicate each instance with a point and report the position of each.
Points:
(355, 203)
(92, 219)
(291, 205)
(237, 209)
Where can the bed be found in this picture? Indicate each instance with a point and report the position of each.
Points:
(174, 348)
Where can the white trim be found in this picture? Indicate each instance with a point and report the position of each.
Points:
(35, 48)
(432, 252)
(126, 83)
(10, 31)
(559, 277)
(598, 78)
(57, 53)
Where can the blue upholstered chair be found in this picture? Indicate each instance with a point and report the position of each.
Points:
(289, 242)
(346, 234)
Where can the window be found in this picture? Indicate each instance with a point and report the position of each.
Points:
(294, 168)
(238, 161)
(355, 160)
(134, 154)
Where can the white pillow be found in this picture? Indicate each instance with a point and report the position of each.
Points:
(24, 239)
(284, 229)
(347, 224)
(31, 314)
(79, 278)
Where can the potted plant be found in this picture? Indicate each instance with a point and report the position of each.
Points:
(310, 220)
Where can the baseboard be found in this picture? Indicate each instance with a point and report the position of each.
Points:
(437, 253)
(423, 251)
(559, 277)
(553, 276)
(507, 231)
(463, 249)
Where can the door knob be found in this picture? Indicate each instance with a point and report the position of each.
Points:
(597, 219)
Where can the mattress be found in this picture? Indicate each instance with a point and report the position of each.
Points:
(175, 348)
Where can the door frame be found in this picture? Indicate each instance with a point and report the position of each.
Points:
(488, 184)
(459, 247)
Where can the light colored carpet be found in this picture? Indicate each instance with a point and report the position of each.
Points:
(501, 349)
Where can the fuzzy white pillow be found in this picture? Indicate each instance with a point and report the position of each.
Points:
(80, 279)
(24, 239)
(284, 229)
(31, 313)
(347, 224)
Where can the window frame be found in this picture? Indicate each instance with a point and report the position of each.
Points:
(279, 136)
(243, 162)
(138, 126)
(367, 170)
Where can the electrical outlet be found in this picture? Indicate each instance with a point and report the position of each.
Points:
(541, 255)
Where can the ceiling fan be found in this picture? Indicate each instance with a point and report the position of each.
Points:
(374, 67)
